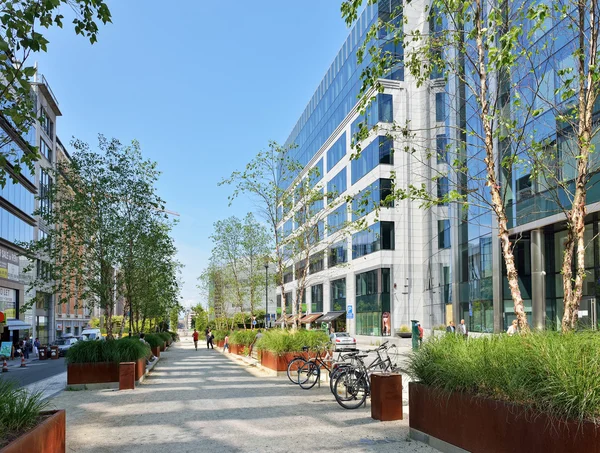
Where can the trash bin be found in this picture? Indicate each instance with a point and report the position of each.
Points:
(42, 353)
(54, 352)
(386, 396)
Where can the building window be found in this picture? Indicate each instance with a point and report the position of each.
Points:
(336, 152)
(316, 173)
(443, 234)
(380, 110)
(372, 300)
(337, 185)
(372, 197)
(45, 192)
(288, 275)
(379, 236)
(440, 107)
(338, 253)
(317, 262)
(47, 124)
(338, 295)
(442, 189)
(45, 150)
(379, 151)
(288, 228)
(316, 298)
(337, 219)
(440, 148)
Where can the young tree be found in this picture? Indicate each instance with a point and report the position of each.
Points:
(255, 246)
(22, 25)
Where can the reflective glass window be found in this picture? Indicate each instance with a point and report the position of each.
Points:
(337, 185)
(336, 152)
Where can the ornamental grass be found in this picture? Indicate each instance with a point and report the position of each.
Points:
(113, 351)
(550, 372)
(281, 341)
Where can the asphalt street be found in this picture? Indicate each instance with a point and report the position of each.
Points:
(36, 370)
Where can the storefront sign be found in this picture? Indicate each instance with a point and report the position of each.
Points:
(349, 312)
(8, 299)
(9, 265)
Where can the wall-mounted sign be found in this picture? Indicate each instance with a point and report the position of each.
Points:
(9, 264)
(5, 349)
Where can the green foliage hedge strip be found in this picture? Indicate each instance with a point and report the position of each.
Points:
(548, 371)
(115, 351)
(281, 341)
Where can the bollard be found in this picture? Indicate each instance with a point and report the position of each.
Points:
(4, 366)
(415, 334)
(126, 375)
(23, 365)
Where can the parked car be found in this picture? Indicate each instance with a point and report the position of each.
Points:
(91, 334)
(64, 344)
(342, 340)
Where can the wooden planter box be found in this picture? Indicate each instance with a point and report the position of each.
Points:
(47, 437)
(481, 425)
(278, 362)
(156, 351)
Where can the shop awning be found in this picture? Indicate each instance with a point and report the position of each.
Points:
(281, 320)
(331, 316)
(17, 324)
(311, 317)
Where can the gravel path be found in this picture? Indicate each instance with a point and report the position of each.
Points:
(201, 401)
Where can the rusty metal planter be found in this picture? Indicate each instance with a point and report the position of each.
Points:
(47, 437)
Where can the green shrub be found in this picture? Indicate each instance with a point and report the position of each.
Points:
(220, 334)
(440, 327)
(154, 340)
(19, 409)
(242, 337)
(547, 372)
(281, 341)
(165, 336)
(404, 329)
(174, 336)
(115, 351)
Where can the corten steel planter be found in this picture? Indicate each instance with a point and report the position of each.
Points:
(156, 351)
(47, 437)
(235, 348)
(482, 425)
(127, 376)
(220, 343)
(140, 368)
(386, 396)
(163, 347)
(92, 373)
(278, 362)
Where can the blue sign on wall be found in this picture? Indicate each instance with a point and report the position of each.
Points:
(349, 312)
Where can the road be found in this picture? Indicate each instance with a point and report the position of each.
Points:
(36, 370)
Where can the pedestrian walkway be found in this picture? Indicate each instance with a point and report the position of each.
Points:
(202, 401)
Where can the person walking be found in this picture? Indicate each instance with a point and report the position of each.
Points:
(226, 345)
(451, 328)
(36, 346)
(195, 336)
(513, 328)
(420, 335)
(209, 340)
(462, 329)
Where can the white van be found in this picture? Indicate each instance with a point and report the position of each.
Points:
(91, 334)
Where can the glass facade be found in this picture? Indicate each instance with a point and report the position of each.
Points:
(338, 295)
(379, 151)
(17, 195)
(338, 253)
(379, 236)
(337, 219)
(372, 300)
(337, 185)
(380, 110)
(316, 298)
(336, 152)
(13, 228)
(372, 197)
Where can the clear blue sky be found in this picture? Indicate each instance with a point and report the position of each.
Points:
(202, 85)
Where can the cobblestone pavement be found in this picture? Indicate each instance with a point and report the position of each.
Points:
(197, 401)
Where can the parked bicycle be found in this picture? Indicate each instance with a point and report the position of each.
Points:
(310, 373)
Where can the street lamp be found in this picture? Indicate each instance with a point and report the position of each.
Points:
(266, 291)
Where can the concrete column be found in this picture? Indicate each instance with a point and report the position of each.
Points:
(351, 300)
(538, 280)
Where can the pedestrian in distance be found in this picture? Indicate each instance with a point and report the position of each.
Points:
(513, 328)
(451, 328)
(226, 345)
(36, 346)
(462, 329)
(195, 336)
(209, 340)
(420, 335)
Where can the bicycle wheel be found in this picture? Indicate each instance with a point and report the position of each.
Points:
(293, 368)
(308, 375)
(335, 373)
(394, 356)
(350, 389)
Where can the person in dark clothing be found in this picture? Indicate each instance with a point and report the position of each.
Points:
(209, 340)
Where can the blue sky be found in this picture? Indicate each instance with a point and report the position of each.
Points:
(202, 85)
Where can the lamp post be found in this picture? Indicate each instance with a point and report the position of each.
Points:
(267, 316)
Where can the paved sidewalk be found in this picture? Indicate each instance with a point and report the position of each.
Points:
(202, 401)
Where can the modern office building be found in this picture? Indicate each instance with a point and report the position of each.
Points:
(443, 263)
(374, 281)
